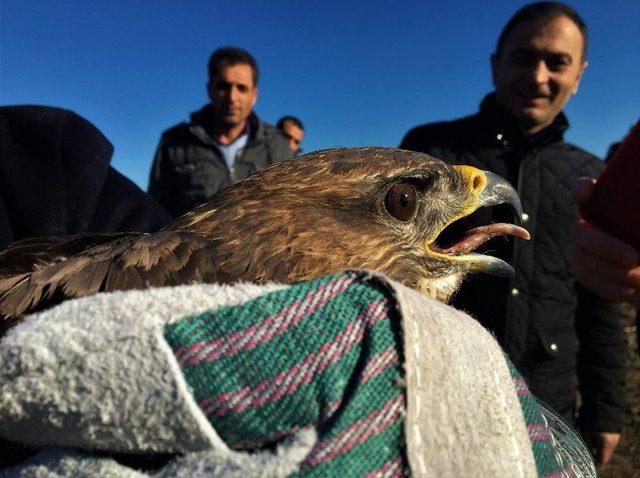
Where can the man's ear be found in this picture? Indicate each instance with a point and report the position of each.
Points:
(494, 68)
(583, 67)
(255, 96)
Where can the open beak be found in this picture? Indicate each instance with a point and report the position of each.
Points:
(488, 189)
(498, 190)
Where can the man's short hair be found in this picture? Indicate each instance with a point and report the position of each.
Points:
(293, 119)
(542, 10)
(233, 56)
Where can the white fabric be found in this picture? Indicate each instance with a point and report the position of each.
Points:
(96, 373)
(460, 397)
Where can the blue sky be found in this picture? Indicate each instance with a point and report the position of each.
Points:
(356, 73)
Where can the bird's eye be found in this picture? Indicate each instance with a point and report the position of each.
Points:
(401, 201)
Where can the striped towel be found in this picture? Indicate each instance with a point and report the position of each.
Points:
(326, 352)
(558, 450)
(329, 353)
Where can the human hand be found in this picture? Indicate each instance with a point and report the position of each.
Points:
(601, 262)
(601, 445)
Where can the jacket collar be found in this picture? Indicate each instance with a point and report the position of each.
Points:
(504, 130)
(202, 124)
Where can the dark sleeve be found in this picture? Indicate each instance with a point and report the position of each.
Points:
(161, 181)
(601, 363)
(123, 206)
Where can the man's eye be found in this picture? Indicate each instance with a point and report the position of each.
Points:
(522, 59)
(557, 64)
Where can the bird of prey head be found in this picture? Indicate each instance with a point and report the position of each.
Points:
(365, 208)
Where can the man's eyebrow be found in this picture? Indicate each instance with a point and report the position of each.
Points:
(223, 82)
(562, 55)
(544, 53)
(523, 50)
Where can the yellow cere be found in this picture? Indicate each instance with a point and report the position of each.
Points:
(476, 181)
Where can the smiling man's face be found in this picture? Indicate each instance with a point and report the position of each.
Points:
(538, 70)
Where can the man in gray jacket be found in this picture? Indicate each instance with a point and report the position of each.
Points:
(224, 141)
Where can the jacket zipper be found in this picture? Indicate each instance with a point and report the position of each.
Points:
(514, 254)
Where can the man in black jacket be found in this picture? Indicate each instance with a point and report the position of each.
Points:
(55, 179)
(551, 327)
(224, 142)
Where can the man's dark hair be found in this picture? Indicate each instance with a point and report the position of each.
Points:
(539, 11)
(293, 119)
(233, 56)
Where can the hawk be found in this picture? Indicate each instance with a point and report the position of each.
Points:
(362, 208)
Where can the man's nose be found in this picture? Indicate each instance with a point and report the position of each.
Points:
(540, 73)
(234, 94)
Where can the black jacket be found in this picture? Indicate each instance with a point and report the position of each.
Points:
(55, 179)
(188, 167)
(549, 325)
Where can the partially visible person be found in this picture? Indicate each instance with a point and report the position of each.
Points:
(612, 150)
(55, 179)
(552, 328)
(602, 262)
(293, 129)
(606, 252)
(222, 143)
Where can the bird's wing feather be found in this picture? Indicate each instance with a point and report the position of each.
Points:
(27, 255)
(128, 261)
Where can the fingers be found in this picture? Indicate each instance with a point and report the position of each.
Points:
(605, 287)
(601, 244)
(606, 265)
(601, 262)
(623, 274)
(582, 189)
(608, 443)
(601, 445)
(607, 280)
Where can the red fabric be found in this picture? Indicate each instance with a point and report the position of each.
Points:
(614, 205)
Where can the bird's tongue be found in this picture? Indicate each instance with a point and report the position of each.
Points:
(475, 237)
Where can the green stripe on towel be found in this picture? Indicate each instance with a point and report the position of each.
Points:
(325, 352)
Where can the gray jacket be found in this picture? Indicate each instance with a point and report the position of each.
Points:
(189, 168)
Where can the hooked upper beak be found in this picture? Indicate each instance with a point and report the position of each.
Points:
(499, 191)
(488, 189)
